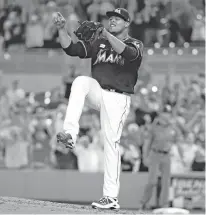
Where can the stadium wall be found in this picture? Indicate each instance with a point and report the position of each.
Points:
(73, 186)
(41, 70)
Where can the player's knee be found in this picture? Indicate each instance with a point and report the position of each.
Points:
(80, 82)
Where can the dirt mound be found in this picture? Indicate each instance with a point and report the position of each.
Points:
(29, 206)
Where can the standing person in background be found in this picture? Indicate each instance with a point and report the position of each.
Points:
(50, 32)
(116, 59)
(156, 155)
(68, 80)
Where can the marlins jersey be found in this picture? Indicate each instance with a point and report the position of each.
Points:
(110, 69)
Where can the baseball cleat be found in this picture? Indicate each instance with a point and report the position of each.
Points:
(65, 139)
(106, 203)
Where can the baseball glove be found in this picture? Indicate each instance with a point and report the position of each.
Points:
(88, 31)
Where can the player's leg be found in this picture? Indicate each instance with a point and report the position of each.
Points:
(153, 168)
(165, 181)
(114, 110)
(83, 87)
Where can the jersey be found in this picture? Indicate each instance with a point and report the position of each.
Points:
(162, 137)
(110, 69)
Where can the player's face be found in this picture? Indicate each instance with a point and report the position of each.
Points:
(116, 24)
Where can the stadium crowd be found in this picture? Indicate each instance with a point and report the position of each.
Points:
(156, 21)
(28, 126)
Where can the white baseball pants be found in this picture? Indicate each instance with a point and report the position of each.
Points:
(114, 108)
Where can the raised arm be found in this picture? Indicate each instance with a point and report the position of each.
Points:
(59, 21)
(79, 49)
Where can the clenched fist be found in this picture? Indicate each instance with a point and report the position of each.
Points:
(58, 20)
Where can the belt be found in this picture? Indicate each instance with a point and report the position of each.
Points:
(114, 90)
(160, 151)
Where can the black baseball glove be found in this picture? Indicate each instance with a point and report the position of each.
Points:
(88, 31)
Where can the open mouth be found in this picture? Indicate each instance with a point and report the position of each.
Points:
(112, 25)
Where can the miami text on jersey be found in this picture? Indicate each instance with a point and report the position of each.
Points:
(112, 58)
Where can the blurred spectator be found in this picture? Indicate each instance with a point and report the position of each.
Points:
(97, 10)
(138, 27)
(68, 81)
(183, 101)
(130, 149)
(157, 21)
(181, 20)
(34, 32)
(15, 93)
(41, 135)
(50, 31)
(185, 153)
(16, 149)
(13, 27)
(60, 157)
(88, 160)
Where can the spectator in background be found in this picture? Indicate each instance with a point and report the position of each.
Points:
(95, 135)
(188, 153)
(16, 149)
(13, 6)
(130, 148)
(149, 14)
(50, 31)
(80, 8)
(97, 10)
(57, 125)
(41, 135)
(13, 27)
(181, 20)
(156, 155)
(15, 93)
(65, 159)
(4, 106)
(3, 17)
(137, 27)
(60, 157)
(199, 161)
(34, 32)
(88, 160)
(68, 80)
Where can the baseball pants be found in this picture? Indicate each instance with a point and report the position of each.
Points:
(158, 162)
(114, 108)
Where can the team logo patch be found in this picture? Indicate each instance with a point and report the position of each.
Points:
(102, 46)
(138, 47)
(117, 11)
(136, 44)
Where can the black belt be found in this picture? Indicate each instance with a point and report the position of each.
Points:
(160, 151)
(114, 90)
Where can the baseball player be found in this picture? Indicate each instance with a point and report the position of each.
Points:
(156, 155)
(115, 61)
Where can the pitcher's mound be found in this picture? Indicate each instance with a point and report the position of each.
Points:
(28, 206)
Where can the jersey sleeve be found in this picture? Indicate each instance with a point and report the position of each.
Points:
(133, 50)
(80, 49)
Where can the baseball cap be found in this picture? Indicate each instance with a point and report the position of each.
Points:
(120, 12)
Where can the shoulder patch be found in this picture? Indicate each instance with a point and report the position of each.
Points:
(138, 45)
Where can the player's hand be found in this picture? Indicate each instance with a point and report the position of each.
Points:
(58, 20)
(104, 32)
